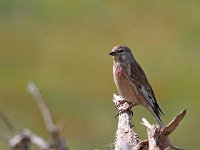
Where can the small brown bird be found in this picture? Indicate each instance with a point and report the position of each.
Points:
(132, 82)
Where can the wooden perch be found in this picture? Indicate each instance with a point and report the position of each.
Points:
(128, 139)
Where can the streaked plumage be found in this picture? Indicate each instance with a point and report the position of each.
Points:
(132, 82)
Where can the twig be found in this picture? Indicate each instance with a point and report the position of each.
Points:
(32, 88)
(7, 122)
(174, 123)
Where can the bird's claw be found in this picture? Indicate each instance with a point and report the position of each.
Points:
(128, 110)
(124, 101)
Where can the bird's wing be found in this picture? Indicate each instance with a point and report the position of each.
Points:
(139, 79)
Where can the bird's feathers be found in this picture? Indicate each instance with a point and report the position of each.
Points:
(139, 79)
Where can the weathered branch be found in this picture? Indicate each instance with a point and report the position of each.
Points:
(128, 139)
(54, 129)
(23, 139)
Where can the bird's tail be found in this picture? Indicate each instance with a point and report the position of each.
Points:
(157, 114)
(159, 121)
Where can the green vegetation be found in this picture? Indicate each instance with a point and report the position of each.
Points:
(63, 46)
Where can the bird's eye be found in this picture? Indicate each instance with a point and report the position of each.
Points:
(121, 51)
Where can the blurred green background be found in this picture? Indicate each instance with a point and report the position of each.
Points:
(63, 46)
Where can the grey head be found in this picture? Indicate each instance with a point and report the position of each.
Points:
(122, 54)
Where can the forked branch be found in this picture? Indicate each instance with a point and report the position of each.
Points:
(128, 139)
(57, 143)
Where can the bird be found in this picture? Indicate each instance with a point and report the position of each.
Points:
(132, 83)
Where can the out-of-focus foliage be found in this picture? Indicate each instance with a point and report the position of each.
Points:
(63, 46)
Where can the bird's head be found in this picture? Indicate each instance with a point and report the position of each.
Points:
(122, 54)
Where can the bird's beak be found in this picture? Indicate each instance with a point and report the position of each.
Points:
(112, 53)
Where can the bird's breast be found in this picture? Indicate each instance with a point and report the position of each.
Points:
(119, 71)
(122, 80)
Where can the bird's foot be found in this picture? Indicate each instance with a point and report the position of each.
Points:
(128, 110)
(124, 101)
